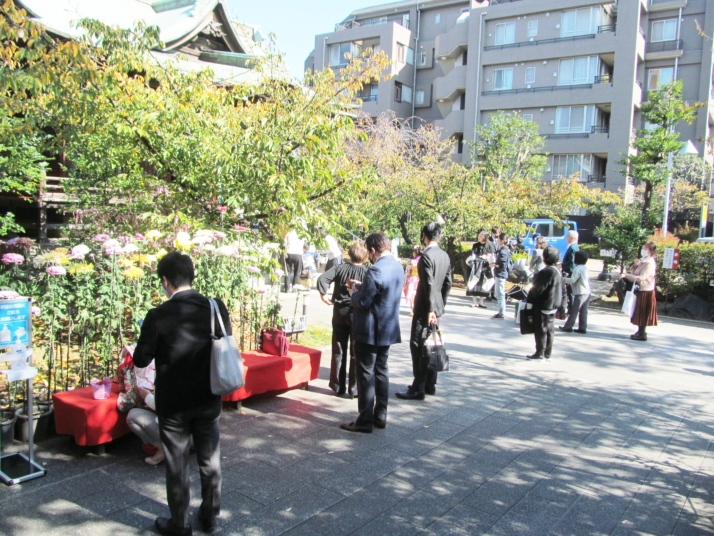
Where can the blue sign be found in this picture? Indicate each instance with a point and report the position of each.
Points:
(15, 321)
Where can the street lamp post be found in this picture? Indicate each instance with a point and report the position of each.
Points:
(688, 148)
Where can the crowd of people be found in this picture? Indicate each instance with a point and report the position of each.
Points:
(172, 407)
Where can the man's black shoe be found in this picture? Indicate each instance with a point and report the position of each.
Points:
(378, 423)
(430, 391)
(566, 330)
(207, 525)
(355, 427)
(498, 315)
(535, 356)
(547, 357)
(583, 331)
(166, 526)
(410, 394)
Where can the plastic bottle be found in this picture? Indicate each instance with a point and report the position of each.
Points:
(18, 352)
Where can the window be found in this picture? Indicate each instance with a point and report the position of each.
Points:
(462, 102)
(664, 30)
(659, 77)
(505, 33)
(401, 53)
(532, 28)
(406, 94)
(567, 165)
(338, 53)
(437, 18)
(502, 79)
(397, 92)
(410, 56)
(419, 97)
(465, 58)
(580, 21)
(543, 229)
(422, 59)
(578, 70)
(459, 143)
(574, 119)
(528, 117)
(530, 75)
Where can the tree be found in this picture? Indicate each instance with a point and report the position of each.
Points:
(624, 231)
(664, 109)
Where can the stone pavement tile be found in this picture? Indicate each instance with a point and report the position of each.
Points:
(388, 524)
(355, 511)
(426, 438)
(141, 515)
(104, 527)
(249, 474)
(422, 470)
(360, 473)
(657, 514)
(427, 505)
(532, 516)
(592, 514)
(301, 530)
(505, 490)
(467, 416)
(691, 525)
(234, 506)
(112, 495)
(282, 515)
(531, 429)
(52, 515)
(562, 486)
(462, 521)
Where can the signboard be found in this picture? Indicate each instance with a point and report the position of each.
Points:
(15, 321)
(608, 252)
(671, 259)
(703, 219)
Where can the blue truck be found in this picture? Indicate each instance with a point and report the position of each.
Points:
(553, 231)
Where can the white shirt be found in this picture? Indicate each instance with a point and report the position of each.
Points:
(333, 248)
(293, 244)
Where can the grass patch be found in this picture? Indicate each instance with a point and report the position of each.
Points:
(314, 337)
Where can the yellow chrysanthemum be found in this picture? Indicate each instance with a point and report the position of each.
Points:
(162, 252)
(141, 258)
(61, 251)
(183, 243)
(126, 263)
(154, 235)
(56, 257)
(133, 273)
(81, 268)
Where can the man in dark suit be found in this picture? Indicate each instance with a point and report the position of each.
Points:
(177, 334)
(375, 327)
(432, 292)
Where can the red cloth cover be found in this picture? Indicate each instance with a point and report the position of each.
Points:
(265, 372)
(91, 422)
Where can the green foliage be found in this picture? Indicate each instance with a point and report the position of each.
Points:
(623, 231)
(664, 109)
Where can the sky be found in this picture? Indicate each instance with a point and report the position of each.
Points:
(296, 23)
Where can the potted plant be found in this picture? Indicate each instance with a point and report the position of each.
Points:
(520, 258)
(41, 422)
(7, 428)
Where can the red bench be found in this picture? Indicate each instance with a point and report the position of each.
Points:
(97, 422)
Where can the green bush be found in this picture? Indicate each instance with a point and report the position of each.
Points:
(696, 268)
(593, 250)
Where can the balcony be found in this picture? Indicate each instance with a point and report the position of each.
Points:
(600, 129)
(368, 98)
(450, 44)
(661, 50)
(568, 136)
(451, 124)
(603, 79)
(450, 86)
(597, 179)
(540, 42)
(663, 5)
(607, 28)
(535, 89)
(349, 25)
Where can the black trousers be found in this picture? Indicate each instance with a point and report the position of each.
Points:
(372, 382)
(333, 262)
(342, 347)
(543, 325)
(423, 377)
(176, 431)
(294, 265)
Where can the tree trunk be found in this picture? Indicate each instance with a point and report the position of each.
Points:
(405, 231)
(646, 203)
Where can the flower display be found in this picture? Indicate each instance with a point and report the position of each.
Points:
(111, 243)
(57, 257)
(227, 251)
(142, 259)
(8, 295)
(253, 269)
(279, 273)
(80, 249)
(209, 247)
(12, 258)
(218, 235)
(35, 310)
(101, 238)
(183, 241)
(81, 268)
(56, 271)
(133, 273)
(241, 229)
(154, 235)
(140, 237)
(21, 242)
(111, 251)
(130, 248)
(221, 208)
(161, 253)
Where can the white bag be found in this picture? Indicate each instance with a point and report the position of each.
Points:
(227, 372)
(628, 306)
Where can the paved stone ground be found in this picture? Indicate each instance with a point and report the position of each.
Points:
(608, 437)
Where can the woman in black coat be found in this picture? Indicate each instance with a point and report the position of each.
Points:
(480, 278)
(545, 296)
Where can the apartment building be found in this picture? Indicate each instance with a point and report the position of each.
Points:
(580, 69)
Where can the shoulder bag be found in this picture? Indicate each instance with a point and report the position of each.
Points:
(227, 371)
(628, 306)
(274, 341)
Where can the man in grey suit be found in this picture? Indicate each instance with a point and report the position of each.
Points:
(432, 292)
(375, 327)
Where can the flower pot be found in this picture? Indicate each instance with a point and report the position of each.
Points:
(7, 429)
(41, 423)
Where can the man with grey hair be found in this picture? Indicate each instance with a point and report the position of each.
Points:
(569, 265)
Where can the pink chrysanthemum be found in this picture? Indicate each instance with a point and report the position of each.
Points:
(56, 270)
(12, 258)
(101, 237)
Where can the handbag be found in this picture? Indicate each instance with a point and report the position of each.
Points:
(628, 305)
(435, 351)
(527, 321)
(227, 371)
(274, 341)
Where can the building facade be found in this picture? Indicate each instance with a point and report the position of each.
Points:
(580, 69)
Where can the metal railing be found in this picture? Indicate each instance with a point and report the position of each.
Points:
(571, 135)
(607, 28)
(664, 46)
(534, 89)
(597, 178)
(539, 42)
(371, 22)
(496, 2)
(600, 129)
(368, 98)
(603, 79)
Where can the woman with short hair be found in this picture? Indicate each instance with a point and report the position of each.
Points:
(545, 296)
(480, 279)
(536, 262)
(580, 284)
(645, 277)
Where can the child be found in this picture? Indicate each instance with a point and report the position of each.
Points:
(580, 284)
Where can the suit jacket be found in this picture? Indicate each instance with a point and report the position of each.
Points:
(375, 317)
(547, 289)
(177, 334)
(569, 258)
(434, 282)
